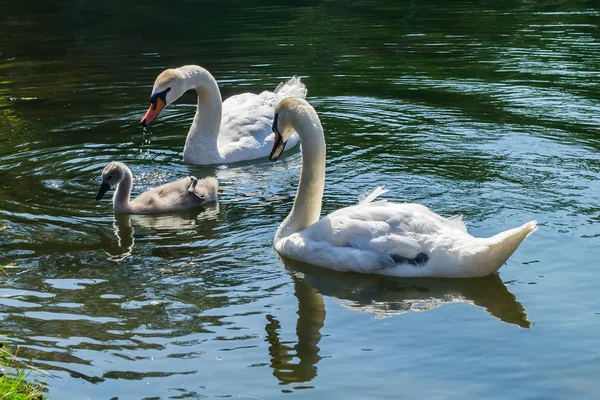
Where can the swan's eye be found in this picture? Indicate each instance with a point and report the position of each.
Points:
(160, 95)
(109, 177)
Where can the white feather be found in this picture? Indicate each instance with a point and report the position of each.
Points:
(369, 197)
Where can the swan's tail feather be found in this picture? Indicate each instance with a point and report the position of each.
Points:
(367, 198)
(504, 244)
(294, 87)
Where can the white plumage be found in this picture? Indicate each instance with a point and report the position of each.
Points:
(380, 237)
(237, 129)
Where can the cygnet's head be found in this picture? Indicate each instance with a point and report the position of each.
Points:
(168, 87)
(112, 174)
(286, 113)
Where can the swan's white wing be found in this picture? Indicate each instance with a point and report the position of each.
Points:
(247, 119)
(380, 226)
(371, 237)
(247, 115)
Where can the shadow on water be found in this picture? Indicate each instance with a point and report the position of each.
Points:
(382, 296)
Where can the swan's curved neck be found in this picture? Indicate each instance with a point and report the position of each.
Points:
(123, 191)
(307, 205)
(201, 140)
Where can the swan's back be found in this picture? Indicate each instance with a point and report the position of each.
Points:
(246, 121)
(180, 195)
(372, 224)
(396, 239)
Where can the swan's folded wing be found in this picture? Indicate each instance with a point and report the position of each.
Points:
(327, 255)
(399, 231)
(247, 117)
(247, 120)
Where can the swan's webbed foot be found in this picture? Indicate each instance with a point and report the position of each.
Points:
(192, 189)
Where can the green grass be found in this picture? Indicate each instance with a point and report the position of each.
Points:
(13, 378)
(18, 388)
(14, 372)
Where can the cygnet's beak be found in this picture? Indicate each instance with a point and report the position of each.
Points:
(103, 189)
(153, 111)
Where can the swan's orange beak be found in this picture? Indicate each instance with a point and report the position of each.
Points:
(153, 111)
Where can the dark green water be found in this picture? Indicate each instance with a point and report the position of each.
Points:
(489, 109)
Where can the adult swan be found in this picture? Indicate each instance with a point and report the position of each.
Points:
(379, 237)
(237, 129)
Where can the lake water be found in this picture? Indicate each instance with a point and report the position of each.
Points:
(488, 109)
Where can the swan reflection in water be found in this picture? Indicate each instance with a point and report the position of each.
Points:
(380, 295)
(124, 232)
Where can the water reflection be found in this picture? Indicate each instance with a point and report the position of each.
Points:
(311, 318)
(177, 223)
(385, 297)
(382, 296)
(124, 233)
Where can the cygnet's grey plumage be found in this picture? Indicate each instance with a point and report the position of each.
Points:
(180, 195)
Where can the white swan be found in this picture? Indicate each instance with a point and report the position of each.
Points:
(180, 195)
(380, 237)
(237, 129)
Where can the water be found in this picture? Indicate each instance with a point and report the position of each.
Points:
(481, 108)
